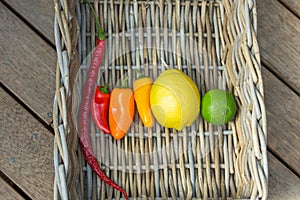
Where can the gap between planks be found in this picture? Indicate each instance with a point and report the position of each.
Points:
(23, 51)
(10, 189)
(27, 11)
(283, 116)
(7, 192)
(292, 5)
(26, 150)
(28, 109)
(277, 35)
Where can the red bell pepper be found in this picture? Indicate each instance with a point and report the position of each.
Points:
(100, 107)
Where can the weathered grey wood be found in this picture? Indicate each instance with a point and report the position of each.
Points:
(26, 150)
(281, 102)
(283, 117)
(39, 14)
(7, 192)
(293, 5)
(283, 184)
(27, 64)
(278, 37)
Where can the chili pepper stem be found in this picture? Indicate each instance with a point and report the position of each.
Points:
(101, 34)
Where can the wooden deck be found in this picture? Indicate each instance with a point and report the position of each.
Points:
(26, 99)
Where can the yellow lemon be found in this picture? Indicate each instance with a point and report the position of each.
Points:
(174, 99)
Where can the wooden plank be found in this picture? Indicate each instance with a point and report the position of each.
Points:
(283, 184)
(27, 64)
(26, 150)
(293, 5)
(7, 192)
(278, 37)
(283, 117)
(40, 14)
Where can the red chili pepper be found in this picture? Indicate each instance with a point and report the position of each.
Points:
(99, 108)
(84, 109)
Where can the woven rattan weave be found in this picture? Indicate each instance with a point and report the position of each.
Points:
(212, 41)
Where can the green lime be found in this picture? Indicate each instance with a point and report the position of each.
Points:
(218, 107)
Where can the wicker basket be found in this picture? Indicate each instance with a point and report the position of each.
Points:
(212, 41)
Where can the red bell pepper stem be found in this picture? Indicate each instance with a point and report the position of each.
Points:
(104, 89)
(84, 109)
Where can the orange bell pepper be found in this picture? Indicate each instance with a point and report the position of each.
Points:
(142, 87)
(121, 110)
